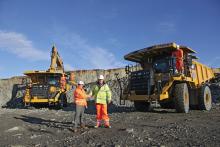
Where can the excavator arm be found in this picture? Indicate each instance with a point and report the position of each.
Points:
(56, 61)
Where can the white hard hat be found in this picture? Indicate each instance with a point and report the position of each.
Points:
(177, 46)
(101, 77)
(80, 83)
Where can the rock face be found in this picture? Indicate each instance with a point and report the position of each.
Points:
(90, 76)
(12, 90)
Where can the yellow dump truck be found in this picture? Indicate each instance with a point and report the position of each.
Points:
(158, 79)
(45, 86)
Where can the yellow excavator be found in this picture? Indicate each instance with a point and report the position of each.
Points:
(48, 87)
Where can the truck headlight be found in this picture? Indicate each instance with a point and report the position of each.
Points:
(52, 89)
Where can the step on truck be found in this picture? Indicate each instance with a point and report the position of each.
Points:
(174, 79)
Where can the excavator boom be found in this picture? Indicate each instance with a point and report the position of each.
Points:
(56, 61)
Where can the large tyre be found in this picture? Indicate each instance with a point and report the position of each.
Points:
(142, 106)
(181, 98)
(205, 98)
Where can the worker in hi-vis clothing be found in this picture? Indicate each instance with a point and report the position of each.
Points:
(63, 82)
(81, 103)
(102, 94)
(178, 55)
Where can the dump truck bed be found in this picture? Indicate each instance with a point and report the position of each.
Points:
(155, 50)
(201, 74)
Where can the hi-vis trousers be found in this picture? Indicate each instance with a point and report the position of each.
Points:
(102, 113)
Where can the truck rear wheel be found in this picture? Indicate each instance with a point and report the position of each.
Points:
(205, 98)
(142, 106)
(181, 98)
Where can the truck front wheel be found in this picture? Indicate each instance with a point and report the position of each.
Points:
(142, 106)
(181, 98)
(205, 98)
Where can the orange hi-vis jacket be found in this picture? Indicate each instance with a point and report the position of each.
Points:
(80, 97)
(179, 59)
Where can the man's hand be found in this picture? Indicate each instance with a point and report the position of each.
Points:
(89, 96)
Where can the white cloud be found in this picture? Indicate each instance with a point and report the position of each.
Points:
(19, 45)
(68, 67)
(87, 55)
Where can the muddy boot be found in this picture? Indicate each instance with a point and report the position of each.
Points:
(98, 124)
(109, 127)
(107, 124)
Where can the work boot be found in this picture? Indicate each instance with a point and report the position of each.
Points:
(107, 125)
(98, 124)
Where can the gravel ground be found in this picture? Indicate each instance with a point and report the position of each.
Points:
(45, 127)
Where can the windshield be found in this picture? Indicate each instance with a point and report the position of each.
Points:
(53, 80)
(161, 66)
(45, 79)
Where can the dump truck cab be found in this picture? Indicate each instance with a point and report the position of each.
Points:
(161, 72)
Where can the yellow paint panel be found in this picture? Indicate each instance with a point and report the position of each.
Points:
(201, 73)
(36, 100)
(164, 96)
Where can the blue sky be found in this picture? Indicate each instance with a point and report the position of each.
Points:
(98, 33)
